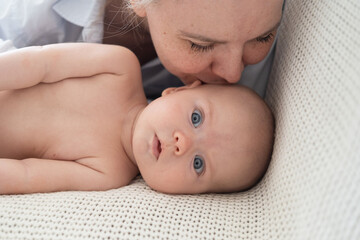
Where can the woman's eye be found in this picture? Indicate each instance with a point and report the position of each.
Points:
(196, 118)
(198, 164)
(200, 48)
(265, 39)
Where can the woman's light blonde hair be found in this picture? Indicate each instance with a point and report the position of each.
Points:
(125, 10)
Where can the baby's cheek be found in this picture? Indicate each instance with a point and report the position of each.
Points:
(155, 180)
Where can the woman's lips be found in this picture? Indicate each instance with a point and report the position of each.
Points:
(156, 147)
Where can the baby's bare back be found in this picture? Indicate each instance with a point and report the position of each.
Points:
(74, 120)
(56, 121)
(66, 112)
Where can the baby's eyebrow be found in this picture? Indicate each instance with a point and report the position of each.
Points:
(208, 108)
(200, 37)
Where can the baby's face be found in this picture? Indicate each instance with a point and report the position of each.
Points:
(193, 141)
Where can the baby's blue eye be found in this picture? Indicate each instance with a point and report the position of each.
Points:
(198, 164)
(196, 118)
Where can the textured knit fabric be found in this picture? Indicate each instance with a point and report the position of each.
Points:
(311, 189)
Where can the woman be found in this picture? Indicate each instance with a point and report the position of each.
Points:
(211, 41)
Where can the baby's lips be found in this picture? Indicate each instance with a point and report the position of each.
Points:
(156, 147)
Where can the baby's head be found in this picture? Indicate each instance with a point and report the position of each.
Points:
(207, 138)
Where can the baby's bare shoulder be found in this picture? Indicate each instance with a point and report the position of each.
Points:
(102, 90)
(127, 85)
(118, 170)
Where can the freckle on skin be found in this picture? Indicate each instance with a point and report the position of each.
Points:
(164, 33)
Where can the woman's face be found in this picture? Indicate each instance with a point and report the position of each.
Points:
(212, 41)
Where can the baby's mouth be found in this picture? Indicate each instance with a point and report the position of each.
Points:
(156, 147)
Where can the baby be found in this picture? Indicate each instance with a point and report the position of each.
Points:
(74, 116)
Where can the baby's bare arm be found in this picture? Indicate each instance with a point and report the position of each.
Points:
(29, 66)
(42, 175)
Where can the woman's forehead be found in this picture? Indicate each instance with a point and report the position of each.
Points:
(235, 15)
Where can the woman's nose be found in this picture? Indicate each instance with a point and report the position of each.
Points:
(229, 67)
(182, 143)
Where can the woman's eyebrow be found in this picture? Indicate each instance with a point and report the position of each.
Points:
(200, 38)
(271, 29)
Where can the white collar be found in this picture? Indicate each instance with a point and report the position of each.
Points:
(80, 12)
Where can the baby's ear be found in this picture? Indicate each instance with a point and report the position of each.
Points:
(177, 89)
(138, 8)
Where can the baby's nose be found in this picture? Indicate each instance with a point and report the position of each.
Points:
(182, 143)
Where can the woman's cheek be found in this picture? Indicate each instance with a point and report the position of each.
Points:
(190, 63)
(256, 52)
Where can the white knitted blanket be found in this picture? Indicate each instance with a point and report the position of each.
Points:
(311, 189)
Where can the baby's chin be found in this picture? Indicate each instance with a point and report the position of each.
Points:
(174, 190)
